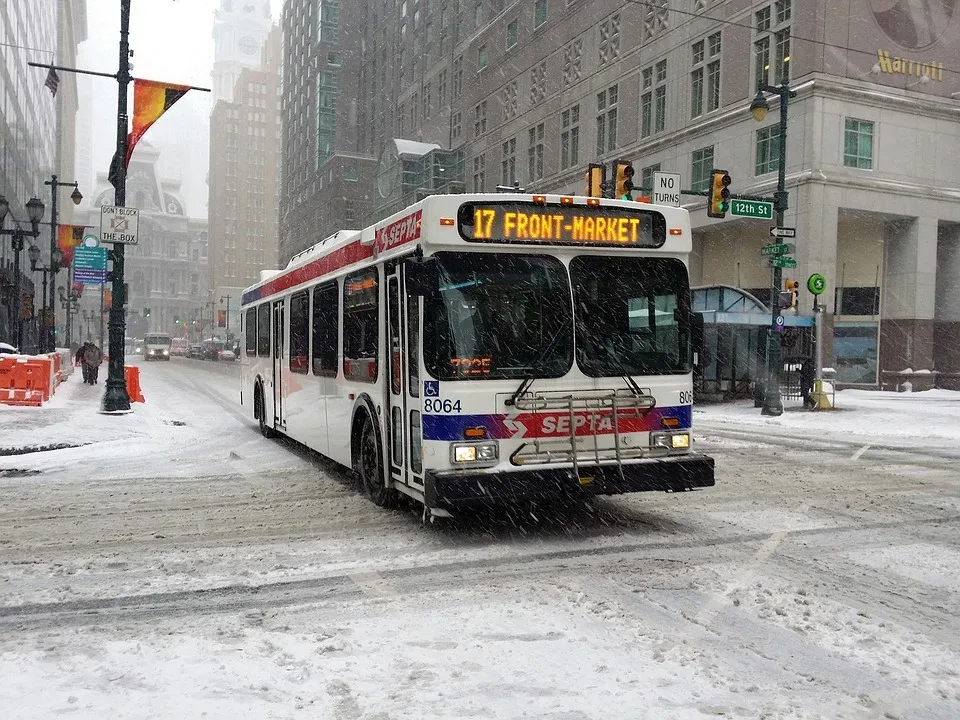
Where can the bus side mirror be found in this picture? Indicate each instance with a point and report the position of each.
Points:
(422, 275)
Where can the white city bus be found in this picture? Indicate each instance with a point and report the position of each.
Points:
(486, 348)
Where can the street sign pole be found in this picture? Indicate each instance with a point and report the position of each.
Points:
(115, 397)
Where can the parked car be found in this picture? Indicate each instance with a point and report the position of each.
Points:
(7, 349)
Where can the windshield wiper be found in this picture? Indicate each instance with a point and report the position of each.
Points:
(528, 381)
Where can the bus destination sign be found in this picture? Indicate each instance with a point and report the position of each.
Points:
(529, 223)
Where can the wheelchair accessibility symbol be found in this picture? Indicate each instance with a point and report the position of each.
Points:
(431, 388)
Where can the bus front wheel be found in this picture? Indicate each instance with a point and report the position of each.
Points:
(260, 411)
(371, 470)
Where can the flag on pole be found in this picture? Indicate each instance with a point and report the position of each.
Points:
(52, 81)
(221, 318)
(151, 99)
(69, 237)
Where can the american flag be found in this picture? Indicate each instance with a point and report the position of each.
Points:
(53, 81)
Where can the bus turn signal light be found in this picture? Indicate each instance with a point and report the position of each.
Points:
(474, 433)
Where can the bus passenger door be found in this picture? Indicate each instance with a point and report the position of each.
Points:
(278, 327)
(396, 390)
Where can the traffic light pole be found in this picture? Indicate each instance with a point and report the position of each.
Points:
(772, 402)
(115, 398)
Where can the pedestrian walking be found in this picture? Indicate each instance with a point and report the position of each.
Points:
(78, 360)
(807, 376)
(92, 359)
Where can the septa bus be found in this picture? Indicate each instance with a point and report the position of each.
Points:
(486, 348)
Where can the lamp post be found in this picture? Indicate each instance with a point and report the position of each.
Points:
(88, 317)
(49, 272)
(35, 215)
(71, 304)
(772, 404)
(55, 266)
(228, 298)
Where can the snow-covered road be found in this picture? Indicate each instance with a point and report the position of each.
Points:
(179, 565)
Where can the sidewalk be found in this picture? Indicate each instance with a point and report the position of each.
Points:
(901, 419)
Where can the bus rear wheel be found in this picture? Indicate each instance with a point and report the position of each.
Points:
(371, 470)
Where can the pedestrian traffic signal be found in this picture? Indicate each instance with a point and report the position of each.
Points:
(719, 194)
(594, 180)
(788, 298)
(624, 180)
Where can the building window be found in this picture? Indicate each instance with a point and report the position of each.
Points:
(442, 88)
(660, 98)
(479, 172)
(610, 40)
(480, 119)
(508, 163)
(858, 144)
(349, 212)
(539, 13)
(456, 124)
(606, 120)
(457, 77)
(768, 149)
(538, 83)
(535, 152)
(512, 33)
(646, 175)
(702, 165)
(329, 28)
(478, 14)
(777, 27)
(326, 115)
(705, 77)
(569, 137)
(481, 57)
(572, 52)
(509, 100)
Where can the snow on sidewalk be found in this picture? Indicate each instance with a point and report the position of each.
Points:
(176, 433)
(921, 419)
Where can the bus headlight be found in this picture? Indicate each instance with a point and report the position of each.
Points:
(475, 454)
(670, 441)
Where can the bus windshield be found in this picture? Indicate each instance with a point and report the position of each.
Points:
(164, 340)
(632, 315)
(498, 316)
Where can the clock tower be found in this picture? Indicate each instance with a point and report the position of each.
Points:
(239, 30)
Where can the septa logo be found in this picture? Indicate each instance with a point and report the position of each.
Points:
(397, 233)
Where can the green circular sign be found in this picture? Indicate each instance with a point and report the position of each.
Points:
(816, 283)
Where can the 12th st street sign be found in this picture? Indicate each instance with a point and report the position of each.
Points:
(119, 225)
(752, 208)
(782, 261)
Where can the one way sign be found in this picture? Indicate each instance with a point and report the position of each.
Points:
(779, 232)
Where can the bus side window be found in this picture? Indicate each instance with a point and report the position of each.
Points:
(361, 323)
(413, 344)
(250, 331)
(263, 330)
(299, 332)
(325, 312)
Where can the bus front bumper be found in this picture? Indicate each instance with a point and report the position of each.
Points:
(671, 474)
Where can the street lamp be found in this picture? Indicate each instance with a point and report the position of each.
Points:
(54, 184)
(35, 209)
(71, 304)
(772, 404)
(48, 274)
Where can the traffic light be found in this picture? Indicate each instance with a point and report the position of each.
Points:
(624, 180)
(719, 194)
(176, 319)
(788, 298)
(146, 312)
(595, 177)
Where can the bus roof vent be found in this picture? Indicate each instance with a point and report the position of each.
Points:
(267, 274)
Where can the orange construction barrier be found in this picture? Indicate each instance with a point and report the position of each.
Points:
(132, 374)
(26, 379)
